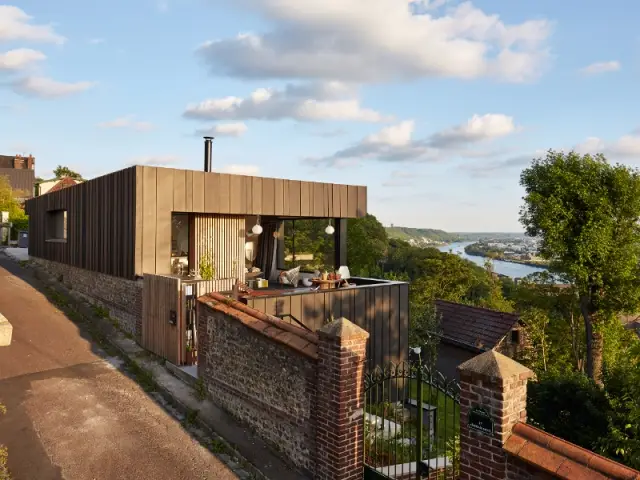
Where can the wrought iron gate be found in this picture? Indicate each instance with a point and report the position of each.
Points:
(411, 423)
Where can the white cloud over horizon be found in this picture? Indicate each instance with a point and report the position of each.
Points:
(20, 58)
(601, 67)
(336, 40)
(231, 129)
(315, 101)
(128, 122)
(395, 143)
(44, 87)
(16, 25)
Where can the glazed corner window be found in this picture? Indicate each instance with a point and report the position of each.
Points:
(179, 242)
(307, 245)
(57, 225)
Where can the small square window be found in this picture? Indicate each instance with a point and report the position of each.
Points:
(57, 225)
(515, 336)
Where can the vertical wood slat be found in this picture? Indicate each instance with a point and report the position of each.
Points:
(222, 236)
(294, 198)
(278, 195)
(164, 207)
(361, 209)
(161, 295)
(198, 193)
(268, 196)
(352, 201)
(179, 191)
(305, 199)
(224, 200)
(382, 310)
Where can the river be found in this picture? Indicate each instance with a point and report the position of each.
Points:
(509, 269)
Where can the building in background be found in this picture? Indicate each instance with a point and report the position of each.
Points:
(20, 171)
(55, 184)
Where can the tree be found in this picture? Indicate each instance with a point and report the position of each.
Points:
(8, 203)
(61, 172)
(367, 245)
(586, 213)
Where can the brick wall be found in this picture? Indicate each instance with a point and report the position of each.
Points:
(121, 297)
(265, 384)
(302, 392)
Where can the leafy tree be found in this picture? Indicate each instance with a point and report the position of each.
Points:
(367, 245)
(586, 213)
(8, 203)
(61, 172)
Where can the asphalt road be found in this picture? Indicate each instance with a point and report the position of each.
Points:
(71, 414)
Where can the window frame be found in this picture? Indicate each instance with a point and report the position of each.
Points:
(280, 265)
(53, 217)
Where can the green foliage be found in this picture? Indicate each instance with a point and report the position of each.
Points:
(569, 406)
(61, 172)
(205, 266)
(419, 234)
(310, 240)
(9, 203)
(367, 245)
(586, 213)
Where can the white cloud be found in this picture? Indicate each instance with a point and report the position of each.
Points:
(162, 6)
(479, 127)
(20, 58)
(232, 129)
(601, 67)
(627, 147)
(315, 101)
(96, 41)
(47, 88)
(400, 178)
(15, 24)
(395, 143)
(241, 169)
(386, 40)
(156, 160)
(128, 122)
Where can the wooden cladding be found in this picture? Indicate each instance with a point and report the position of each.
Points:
(161, 297)
(160, 191)
(222, 238)
(382, 310)
(101, 222)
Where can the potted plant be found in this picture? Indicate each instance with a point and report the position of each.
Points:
(191, 356)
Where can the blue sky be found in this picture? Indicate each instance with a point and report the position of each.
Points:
(435, 105)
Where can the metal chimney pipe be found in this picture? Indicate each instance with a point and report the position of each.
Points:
(207, 153)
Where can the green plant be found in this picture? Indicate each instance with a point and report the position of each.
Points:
(207, 270)
(100, 311)
(201, 390)
(4, 454)
(191, 416)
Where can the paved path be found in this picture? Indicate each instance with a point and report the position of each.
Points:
(71, 414)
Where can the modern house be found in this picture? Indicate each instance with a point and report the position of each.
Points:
(145, 242)
(467, 331)
(20, 171)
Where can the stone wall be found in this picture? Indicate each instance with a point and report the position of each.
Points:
(121, 297)
(265, 384)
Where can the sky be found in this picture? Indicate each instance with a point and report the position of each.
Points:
(435, 105)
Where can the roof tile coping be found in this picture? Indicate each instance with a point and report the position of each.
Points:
(494, 365)
(272, 327)
(561, 458)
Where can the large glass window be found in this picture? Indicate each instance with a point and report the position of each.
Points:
(307, 245)
(179, 243)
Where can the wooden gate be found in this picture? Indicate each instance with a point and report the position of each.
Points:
(162, 321)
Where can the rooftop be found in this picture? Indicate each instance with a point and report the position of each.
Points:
(477, 329)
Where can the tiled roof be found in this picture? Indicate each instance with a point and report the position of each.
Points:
(561, 458)
(63, 183)
(475, 328)
(275, 328)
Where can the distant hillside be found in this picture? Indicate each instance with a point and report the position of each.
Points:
(422, 236)
(475, 236)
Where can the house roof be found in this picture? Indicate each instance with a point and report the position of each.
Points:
(63, 183)
(6, 161)
(561, 458)
(477, 329)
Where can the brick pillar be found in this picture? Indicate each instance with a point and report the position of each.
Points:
(498, 385)
(340, 401)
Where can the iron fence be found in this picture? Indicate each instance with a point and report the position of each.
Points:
(411, 422)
